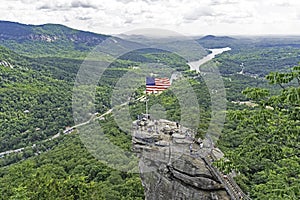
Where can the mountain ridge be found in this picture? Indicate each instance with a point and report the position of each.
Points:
(18, 31)
(53, 40)
(213, 37)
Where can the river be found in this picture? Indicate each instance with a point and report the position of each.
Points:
(194, 65)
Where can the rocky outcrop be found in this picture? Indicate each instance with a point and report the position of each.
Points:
(6, 64)
(170, 165)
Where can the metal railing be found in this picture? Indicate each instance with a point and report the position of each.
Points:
(230, 185)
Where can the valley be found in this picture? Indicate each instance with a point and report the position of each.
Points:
(44, 156)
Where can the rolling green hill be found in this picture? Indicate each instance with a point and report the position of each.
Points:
(33, 106)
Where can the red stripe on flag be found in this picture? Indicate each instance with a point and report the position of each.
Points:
(161, 84)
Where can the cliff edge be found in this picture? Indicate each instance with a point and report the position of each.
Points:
(172, 164)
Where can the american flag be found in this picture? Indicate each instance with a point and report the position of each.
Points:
(156, 85)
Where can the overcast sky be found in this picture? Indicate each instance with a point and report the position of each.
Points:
(189, 17)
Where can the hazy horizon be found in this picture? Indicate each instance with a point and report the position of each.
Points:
(187, 17)
(133, 33)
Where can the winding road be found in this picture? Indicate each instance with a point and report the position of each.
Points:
(69, 130)
(194, 65)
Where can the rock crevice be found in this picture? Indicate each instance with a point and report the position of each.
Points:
(168, 166)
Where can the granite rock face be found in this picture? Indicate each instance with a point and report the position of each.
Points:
(170, 165)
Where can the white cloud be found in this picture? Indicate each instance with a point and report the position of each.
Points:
(60, 5)
(228, 2)
(185, 16)
(198, 12)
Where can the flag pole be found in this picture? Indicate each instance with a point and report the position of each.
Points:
(146, 104)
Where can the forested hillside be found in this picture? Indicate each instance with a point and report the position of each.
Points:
(262, 143)
(68, 171)
(33, 106)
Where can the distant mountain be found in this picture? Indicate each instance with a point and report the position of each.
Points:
(211, 41)
(52, 39)
(48, 33)
(218, 38)
(183, 46)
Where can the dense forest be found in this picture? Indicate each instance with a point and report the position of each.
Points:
(68, 171)
(260, 142)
